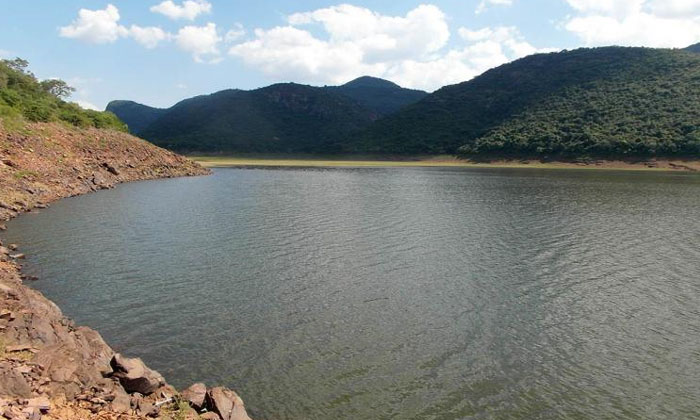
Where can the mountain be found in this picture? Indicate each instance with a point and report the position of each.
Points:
(135, 115)
(694, 48)
(381, 96)
(278, 118)
(602, 101)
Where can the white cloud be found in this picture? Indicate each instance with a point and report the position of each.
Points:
(675, 8)
(149, 37)
(86, 105)
(649, 23)
(96, 26)
(411, 49)
(235, 34)
(485, 4)
(422, 31)
(189, 10)
(200, 41)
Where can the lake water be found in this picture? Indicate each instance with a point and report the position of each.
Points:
(401, 293)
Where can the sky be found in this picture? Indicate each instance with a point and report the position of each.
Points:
(158, 52)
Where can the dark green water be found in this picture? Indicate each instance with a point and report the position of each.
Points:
(394, 293)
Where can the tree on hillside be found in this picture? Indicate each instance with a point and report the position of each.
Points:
(57, 88)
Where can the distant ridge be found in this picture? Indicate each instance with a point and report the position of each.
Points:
(694, 48)
(285, 117)
(138, 116)
(379, 95)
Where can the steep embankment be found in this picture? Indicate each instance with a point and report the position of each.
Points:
(49, 368)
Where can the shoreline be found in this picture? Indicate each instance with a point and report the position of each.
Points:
(50, 368)
(442, 161)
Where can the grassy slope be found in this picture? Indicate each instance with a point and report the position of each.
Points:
(383, 161)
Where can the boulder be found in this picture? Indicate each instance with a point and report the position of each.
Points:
(209, 415)
(226, 404)
(135, 376)
(195, 395)
(41, 403)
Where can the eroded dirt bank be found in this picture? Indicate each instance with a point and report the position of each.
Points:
(50, 368)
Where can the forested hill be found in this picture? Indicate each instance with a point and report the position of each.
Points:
(694, 48)
(137, 116)
(603, 101)
(379, 95)
(279, 118)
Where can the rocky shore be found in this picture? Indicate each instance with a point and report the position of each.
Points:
(49, 367)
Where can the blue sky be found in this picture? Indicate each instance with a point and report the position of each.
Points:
(159, 52)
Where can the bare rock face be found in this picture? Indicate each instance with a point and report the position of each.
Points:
(135, 376)
(226, 403)
(195, 395)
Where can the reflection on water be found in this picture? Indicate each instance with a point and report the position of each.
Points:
(395, 293)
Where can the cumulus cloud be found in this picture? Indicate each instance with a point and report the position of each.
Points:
(411, 49)
(200, 41)
(650, 23)
(86, 105)
(485, 4)
(189, 9)
(235, 34)
(102, 27)
(96, 26)
(149, 37)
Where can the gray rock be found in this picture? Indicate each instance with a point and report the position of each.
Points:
(135, 376)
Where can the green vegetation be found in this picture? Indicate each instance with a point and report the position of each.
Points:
(282, 118)
(278, 118)
(378, 95)
(603, 102)
(24, 98)
(137, 116)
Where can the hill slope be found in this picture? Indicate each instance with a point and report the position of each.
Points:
(694, 48)
(278, 118)
(603, 101)
(136, 116)
(381, 96)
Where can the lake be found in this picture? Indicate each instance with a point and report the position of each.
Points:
(401, 293)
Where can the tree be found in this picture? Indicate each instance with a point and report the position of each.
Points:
(57, 88)
(17, 64)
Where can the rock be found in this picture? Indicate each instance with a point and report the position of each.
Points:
(32, 413)
(147, 408)
(12, 247)
(226, 403)
(13, 384)
(41, 403)
(4, 251)
(195, 395)
(121, 402)
(9, 315)
(111, 168)
(135, 376)
(3, 227)
(209, 415)
(18, 256)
